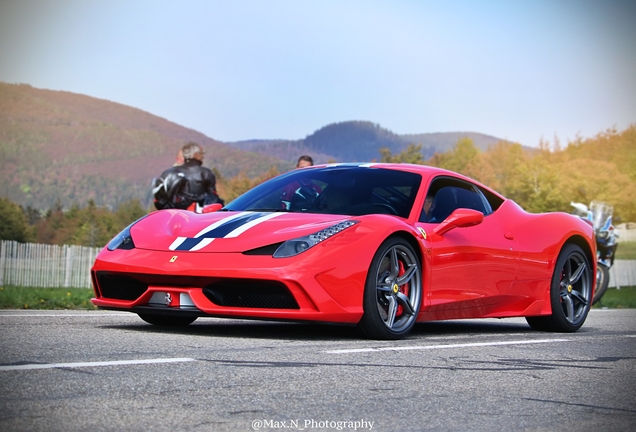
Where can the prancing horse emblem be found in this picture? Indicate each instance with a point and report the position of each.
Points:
(422, 232)
(168, 299)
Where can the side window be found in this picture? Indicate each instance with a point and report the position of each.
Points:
(447, 194)
(444, 203)
(468, 198)
(492, 201)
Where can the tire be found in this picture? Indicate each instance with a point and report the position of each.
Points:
(570, 293)
(167, 320)
(393, 291)
(602, 282)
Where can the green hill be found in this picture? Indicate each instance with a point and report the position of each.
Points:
(361, 141)
(66, 147)
(441, 142)
(62, 147)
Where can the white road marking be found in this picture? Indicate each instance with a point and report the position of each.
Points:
(83, 315)
(431, 347)
(93, 364)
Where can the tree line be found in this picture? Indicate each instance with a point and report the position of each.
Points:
(541, 179)
(551, 176)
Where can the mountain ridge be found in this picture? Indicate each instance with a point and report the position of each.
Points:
(361, 141)
(64, 148)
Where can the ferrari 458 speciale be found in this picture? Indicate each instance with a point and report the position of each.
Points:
(380, 246)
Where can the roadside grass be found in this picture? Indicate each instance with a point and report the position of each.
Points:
(623, 298)
(14, 297)
(626, 250)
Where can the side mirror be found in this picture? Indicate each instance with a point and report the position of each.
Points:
(460, 218)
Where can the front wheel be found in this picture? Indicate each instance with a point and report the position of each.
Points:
(602, 281)
(167, 320)
(570, 293)
(393, 291)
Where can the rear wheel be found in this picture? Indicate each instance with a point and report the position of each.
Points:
(393, 291)
(570, 293)
(167, 320)
(602, 281)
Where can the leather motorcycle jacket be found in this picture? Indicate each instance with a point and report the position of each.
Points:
(196, 184)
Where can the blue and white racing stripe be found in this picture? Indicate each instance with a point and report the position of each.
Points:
(229, 227)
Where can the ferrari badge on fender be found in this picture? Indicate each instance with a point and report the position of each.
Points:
(422, 232)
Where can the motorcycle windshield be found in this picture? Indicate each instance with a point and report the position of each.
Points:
(601, 215)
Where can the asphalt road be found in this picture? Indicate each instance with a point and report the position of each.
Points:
(68, 371)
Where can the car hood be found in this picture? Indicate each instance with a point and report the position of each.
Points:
(170, 230)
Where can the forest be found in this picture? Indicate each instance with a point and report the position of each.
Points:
(542, 179)
(549, 177)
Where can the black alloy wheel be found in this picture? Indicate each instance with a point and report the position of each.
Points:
(393, 291)
(570, 293)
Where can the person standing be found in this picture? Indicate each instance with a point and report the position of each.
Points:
(305, 161)
(189, 185)
(295, 187)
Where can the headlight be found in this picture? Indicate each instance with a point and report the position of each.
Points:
(301, 244)
(123, 240)
(602, 234)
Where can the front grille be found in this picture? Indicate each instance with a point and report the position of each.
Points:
(250, 294)
(120, 287)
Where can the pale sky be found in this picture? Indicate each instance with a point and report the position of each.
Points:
(245, 69)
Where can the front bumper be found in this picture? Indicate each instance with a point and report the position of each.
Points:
(311, 288)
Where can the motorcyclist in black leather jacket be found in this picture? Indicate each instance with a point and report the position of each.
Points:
(184, 186)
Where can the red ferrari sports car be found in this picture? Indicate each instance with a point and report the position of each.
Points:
(381, 246)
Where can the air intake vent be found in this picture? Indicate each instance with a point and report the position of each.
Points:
(120, 287)
(250, 294)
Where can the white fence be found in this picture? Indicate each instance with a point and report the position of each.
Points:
(40, 265)
(623, 273)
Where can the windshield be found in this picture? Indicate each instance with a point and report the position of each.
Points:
(601, 215)
(347, 190)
